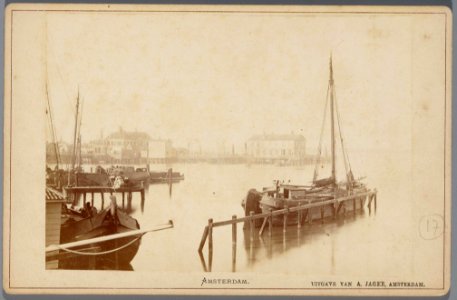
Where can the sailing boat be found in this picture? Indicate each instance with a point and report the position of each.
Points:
(282, 195)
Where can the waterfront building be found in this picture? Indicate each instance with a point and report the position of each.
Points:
(276, 148)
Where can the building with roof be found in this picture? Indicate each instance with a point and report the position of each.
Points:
(271, 148)
(127, 146)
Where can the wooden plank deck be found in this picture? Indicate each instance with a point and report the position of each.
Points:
(103, 189)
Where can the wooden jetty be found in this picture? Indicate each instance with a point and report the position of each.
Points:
(302, 213)
(76, 191)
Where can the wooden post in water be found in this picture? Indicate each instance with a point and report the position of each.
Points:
(142, 195)
(234, 225)
(170, 181)
(299, 213)
(375, 201)
(284, 226)
(310, 216)
(103, 199)
(203, 241)
(123, 199)
(265, 220)
(370, 197)
(251, 225)
(210, 236)
(270, 224)
(92, 199)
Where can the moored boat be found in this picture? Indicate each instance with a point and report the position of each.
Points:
(105, 254)
(130, 174)
(321, 191)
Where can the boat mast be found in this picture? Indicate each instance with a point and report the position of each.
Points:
(73, 158)
(53, 131)
(332, 118)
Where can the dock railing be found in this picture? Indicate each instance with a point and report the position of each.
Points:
(268, 217)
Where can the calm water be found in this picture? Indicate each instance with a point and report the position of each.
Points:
(216, 191)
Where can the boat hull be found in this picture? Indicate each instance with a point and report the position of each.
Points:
(113, 254)
(270, 202)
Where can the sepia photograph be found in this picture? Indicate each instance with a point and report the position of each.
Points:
(230, 150)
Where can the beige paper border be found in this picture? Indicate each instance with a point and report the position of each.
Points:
(10, 175)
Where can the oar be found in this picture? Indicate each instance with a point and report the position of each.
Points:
(109, 237)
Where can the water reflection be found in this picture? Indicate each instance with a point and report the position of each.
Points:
(279, 240)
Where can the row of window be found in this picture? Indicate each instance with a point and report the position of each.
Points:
(276, 152)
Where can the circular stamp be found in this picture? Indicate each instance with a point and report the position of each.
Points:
(431, 226)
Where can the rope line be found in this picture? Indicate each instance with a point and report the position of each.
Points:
(345, 155)
(319, 149)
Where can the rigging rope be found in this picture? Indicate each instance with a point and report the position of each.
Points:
(345, 155)
(103, 252)
(319, 149)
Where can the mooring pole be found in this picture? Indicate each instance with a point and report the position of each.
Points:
(270, 224)
(210, 236)
(234, 225)
(103, 199)
(92, 199)
(284, 227)
(251, 225)
(370, 197)
(299, 213)
(203, 241)
(375, 201)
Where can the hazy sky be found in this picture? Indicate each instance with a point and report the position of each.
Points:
(219, 78)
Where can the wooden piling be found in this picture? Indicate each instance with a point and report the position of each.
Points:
(251, 225)
(263, 226)
(370, 197)
(84, 198)
(310, 216)
(123, 199)
(234, 230)
(203, 240)
(92, 199)
(284, 227)
(103, 199)
(375, 201)
(234, 226)
(270, 225)
(210, 236)
(299, 213)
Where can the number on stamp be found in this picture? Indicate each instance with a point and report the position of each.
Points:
(431, 227)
